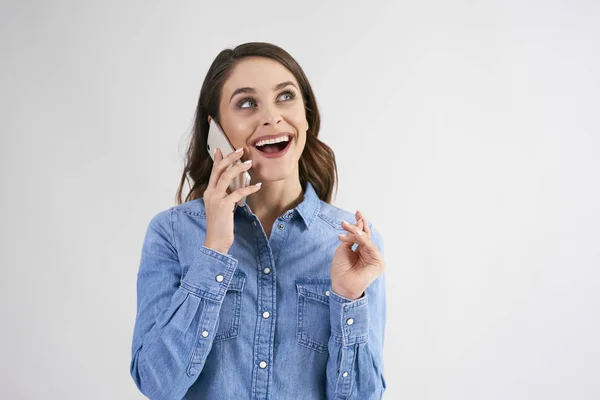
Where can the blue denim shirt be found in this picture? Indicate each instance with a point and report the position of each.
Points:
(260, 322)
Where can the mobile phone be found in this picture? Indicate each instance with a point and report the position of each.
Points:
(218, 139)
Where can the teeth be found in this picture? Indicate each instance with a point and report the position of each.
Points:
(272, 141)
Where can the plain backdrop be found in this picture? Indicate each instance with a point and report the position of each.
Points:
(467, 131)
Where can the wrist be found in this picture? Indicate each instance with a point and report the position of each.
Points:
(220, 249)
(346, 294)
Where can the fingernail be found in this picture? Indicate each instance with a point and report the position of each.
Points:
(258, 184)
(248, 162)
(358, 233)
(344, 222)
(239, 150)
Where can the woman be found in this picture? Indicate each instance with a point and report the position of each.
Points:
(276, 299)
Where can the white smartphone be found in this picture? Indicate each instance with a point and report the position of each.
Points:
(218, 139)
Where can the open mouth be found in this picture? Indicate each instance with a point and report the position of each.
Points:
(274, 147)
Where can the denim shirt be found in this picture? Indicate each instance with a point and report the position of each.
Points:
(260, 322)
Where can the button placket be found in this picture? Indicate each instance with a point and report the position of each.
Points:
(262, 354)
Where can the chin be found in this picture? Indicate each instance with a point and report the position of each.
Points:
(272, 175)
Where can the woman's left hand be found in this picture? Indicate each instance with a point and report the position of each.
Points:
(352, 271)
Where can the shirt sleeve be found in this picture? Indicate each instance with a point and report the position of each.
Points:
(355, 362)
(177, 312)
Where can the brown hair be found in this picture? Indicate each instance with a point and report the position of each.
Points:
(317, 163)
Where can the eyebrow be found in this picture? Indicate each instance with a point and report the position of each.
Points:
(252, 90)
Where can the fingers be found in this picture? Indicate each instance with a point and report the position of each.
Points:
(359, 233)
(359, 225)
(242, 192)
(227, 176)
(360, 216)
(353, 228)
(221, 163)
(359, 237)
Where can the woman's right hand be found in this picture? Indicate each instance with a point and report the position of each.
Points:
(219, 204)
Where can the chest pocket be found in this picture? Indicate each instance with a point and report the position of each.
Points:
(313, 327)
(231, 309)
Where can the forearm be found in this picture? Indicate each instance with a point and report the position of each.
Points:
(354, 366)
(170, 347)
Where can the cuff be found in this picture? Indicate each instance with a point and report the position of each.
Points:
(210, 274)
(349, 318)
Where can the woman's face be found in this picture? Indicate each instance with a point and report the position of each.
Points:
(262, 100)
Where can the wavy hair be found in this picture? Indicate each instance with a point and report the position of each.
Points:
(317, 163)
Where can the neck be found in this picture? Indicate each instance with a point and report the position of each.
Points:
(274, 198)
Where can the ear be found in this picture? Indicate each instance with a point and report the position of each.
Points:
(209, 119)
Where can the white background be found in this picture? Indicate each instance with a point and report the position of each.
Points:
(468, 132)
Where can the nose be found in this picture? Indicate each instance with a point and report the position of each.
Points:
(271, 115)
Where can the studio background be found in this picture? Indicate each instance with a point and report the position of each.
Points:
(466, 131)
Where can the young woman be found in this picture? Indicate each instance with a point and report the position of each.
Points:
(280, 298)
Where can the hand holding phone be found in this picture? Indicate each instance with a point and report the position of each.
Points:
(219, 205)
(218, 139)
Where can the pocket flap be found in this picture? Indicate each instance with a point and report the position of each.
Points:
(314, 288)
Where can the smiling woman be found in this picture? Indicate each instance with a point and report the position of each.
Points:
(280, 298)
(260, 84)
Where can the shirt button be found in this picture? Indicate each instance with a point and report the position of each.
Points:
(266, 314)
(349, 321)
(254, 223)
(288, 215)
(267, 270)
(263, 364)
(327, 293)
(219, 278)
(205, 334)
(280, 226)
(345, 374)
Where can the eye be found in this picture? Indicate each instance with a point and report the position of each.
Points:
(289, 93)
(245, 101)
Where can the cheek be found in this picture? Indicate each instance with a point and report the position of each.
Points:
(301, 143)
(299, 120)
(238, 133)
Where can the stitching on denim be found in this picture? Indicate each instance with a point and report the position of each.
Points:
(333, 223)
(315, 213)
(197, 343)
(302, 294)
(207, 295)
(194, 213)
(172, 229)
(233, 331)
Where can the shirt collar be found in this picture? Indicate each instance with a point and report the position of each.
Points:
(308, 208)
